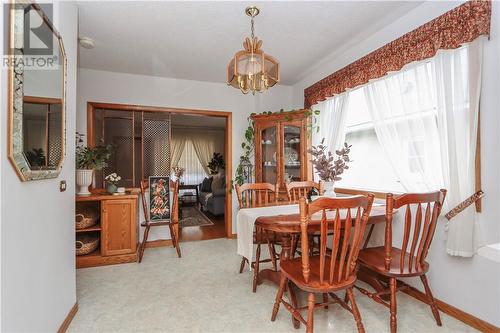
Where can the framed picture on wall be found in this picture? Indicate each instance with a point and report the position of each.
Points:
(159, 198)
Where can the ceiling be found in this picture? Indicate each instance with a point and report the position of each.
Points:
(196, 40)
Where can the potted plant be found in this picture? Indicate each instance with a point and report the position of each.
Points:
(89, 159)
(327, 167)
(216, 163)
(112, 181)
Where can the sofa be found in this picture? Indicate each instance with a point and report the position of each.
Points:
(212, 194)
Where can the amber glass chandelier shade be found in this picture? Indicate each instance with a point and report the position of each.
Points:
(252, 72)
(251, 69)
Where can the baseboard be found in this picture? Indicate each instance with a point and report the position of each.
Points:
(71, 314)
(233, 236)
(159, 243)
(452, 311)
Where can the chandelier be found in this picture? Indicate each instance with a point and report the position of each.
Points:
(251, 69)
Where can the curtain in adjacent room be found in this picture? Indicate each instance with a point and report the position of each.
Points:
(426, 120)
(205, 144)
(194, 173)
(178, 143)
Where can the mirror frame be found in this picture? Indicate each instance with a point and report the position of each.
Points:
(15, 110)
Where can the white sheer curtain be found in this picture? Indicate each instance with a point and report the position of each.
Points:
(458, 78)
(402, 107)
(425, 118)
(332, 121)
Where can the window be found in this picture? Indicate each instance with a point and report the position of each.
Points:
(370, 169)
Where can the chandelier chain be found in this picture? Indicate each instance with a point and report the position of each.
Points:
(252, 27)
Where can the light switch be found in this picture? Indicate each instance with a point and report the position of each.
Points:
(62, 186)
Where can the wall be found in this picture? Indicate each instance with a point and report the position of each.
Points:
(38, 285)
(469, 284)
(122, 88)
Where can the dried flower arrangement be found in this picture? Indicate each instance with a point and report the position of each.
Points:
(328, 168)
(178, 172)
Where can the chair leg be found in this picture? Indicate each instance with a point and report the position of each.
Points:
(279, 296)
(355, 310)
(256, 269)
(272, 254)
(143, 244)
(393, 306)
(430, 298)
(242, 265)
(325, 299)
(310, 312)
(175, 240)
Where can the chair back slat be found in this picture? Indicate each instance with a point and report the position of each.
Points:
(425, 231)
(406, 236)
(419, 233)
(297, 190)
(348, 230)
(256, 194)
(416, 234)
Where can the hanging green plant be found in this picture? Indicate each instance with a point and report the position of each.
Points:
(248, 145)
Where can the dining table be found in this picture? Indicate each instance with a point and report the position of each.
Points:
(285, 220)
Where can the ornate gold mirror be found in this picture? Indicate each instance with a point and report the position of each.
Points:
(37, 86)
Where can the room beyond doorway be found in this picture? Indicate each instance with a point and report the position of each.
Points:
(134, 114)
(198, 147)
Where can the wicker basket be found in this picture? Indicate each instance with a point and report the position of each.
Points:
(86, 244)
(86, 219)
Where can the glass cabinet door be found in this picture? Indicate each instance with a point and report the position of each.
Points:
(292, 153)
(269, 155)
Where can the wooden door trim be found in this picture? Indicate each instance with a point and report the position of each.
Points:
(228, 211)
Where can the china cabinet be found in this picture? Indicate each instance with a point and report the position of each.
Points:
(281, 144)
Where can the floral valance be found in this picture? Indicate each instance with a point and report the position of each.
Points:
(448, 31)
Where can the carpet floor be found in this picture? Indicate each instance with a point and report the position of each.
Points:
(203, 292)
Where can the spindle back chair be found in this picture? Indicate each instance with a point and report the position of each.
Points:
(172, 223)
(421, 212)
(297, 190)
(252, 195)
(334, 268)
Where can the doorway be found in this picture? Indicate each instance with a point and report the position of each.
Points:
(134, 128)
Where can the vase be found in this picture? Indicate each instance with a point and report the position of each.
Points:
(111, 188)
(329, 190)
(83, 181)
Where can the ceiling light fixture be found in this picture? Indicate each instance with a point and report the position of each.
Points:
(251, 69)
(86, 42)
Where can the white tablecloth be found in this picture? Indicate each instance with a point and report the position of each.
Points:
(245, 225)
(246, 220)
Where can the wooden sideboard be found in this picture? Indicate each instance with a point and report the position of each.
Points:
(117, 227)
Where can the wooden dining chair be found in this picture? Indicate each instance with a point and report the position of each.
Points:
(258, 195)
(172, 223)
(297, 190)
(421, 216)
(330, 271)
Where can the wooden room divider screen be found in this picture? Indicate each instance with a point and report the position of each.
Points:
(141, 143)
